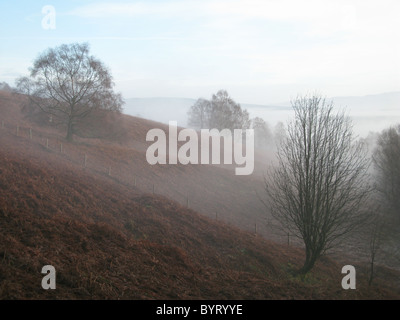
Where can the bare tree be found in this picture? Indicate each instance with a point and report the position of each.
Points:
(199, 114)
(279, 133)
(262, 133)
(5, 87)
(226, 113)
(318, 189)
(68, 84)
(387, 164)
(376, 238)
(221, 112)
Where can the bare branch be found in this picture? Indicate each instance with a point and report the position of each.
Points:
(319, 187)
(69, 84)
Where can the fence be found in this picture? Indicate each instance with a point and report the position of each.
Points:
(88, 160)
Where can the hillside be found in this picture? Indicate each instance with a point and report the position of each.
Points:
(110, 237)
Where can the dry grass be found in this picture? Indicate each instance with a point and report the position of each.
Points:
(110, 240)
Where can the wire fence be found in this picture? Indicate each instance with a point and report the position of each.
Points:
(88, 160)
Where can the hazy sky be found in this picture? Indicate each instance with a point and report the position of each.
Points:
(260, 51)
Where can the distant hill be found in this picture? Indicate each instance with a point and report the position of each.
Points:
(160, 109)
(370, 113)
(378, 104)
(176, 109)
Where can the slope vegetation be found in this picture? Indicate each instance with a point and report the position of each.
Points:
(110, 239)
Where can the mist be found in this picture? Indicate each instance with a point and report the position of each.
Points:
(371, 113)
(129, 171)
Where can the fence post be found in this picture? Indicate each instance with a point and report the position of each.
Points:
(47, 143)
(288, 239)
(255, 228)
(187, 201)
(85, 160)
(30, 133)
(61, 150)
(135, 181)
(109, 171)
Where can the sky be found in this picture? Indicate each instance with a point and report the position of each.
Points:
(261, 51)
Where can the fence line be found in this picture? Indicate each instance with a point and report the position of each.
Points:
(62, 149)
(136, 180)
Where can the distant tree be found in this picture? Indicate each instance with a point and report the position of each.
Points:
(199, 114)
(279, 133)
(226, 113)
(221, 112)
(4, 86)
(262, 133)
(69, 84)
(387, 164)
(318, 189)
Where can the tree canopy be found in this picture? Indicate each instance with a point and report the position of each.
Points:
(68, 83)
(221, 112)
(319, 188)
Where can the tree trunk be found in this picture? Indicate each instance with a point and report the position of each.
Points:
(311, 258)
(70, 131)
(371, 275)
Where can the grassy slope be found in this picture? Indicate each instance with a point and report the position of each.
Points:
(108, 239)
